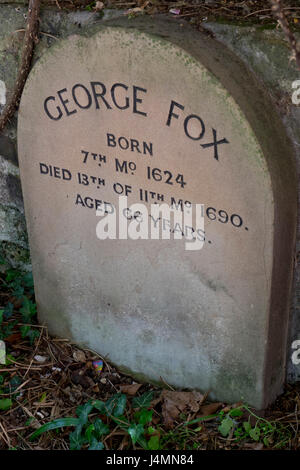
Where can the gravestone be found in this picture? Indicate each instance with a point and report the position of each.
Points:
(160, 114)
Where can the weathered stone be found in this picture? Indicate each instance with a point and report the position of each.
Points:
(214, 319)
(54, 24)
(267, 53)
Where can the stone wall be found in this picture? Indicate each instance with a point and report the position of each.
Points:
(265, 51)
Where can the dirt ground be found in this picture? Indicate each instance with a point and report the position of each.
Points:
(195, 11)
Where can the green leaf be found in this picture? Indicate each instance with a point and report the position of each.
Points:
(1, 316)
(76, 439)
(8, 311)
(14, 383)
(153, 443)
(18, 291)
(5, 404)
(144, 416)
(11, 274)
(9, 359)
(236, 412)
(255, 434)
(151, 430)
(247, 426)
(24, 330)
(28, 280)
(32, 335)
(83, 412)
(135, 431)
(116, 405)
(100, 428)
(226, 426)
(28, 309)
(99, 405)
(96, 445)
(89, 433)
(55, 424)
(144, 401)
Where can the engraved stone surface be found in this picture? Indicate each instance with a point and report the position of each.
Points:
(161, 115)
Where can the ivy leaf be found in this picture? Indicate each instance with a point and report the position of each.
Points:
(236, 413)
(76, 439)
(24, 330)
(8, 311)
(116, 405)
(151, 430)
(5, 404)
(226, 426)
(144, 416)
(17, 288)
(11, 274)
(32, 335)
(14, 383)
(89, 433)
(28, 309)
(96, 445)
(83, 412)
(144, 401)
(28, 280)
(135, 431)
(99, 405)
(255, 434)
(100, 428)
(247, 426)
(153, 443)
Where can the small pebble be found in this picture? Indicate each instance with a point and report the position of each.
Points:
(39, 358)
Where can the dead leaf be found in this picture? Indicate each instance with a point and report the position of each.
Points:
(13, 338)
(99, 6)
(79, 378)
(209, 409)
(254, 446)
(130, 389)
(79, 356)
(175, 403)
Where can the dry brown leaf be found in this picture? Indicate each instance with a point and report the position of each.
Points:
(209, 409)
(130, 389)
(99, 6)
(175, 403)
(13, 338)
(254, 446)
(79, 356)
